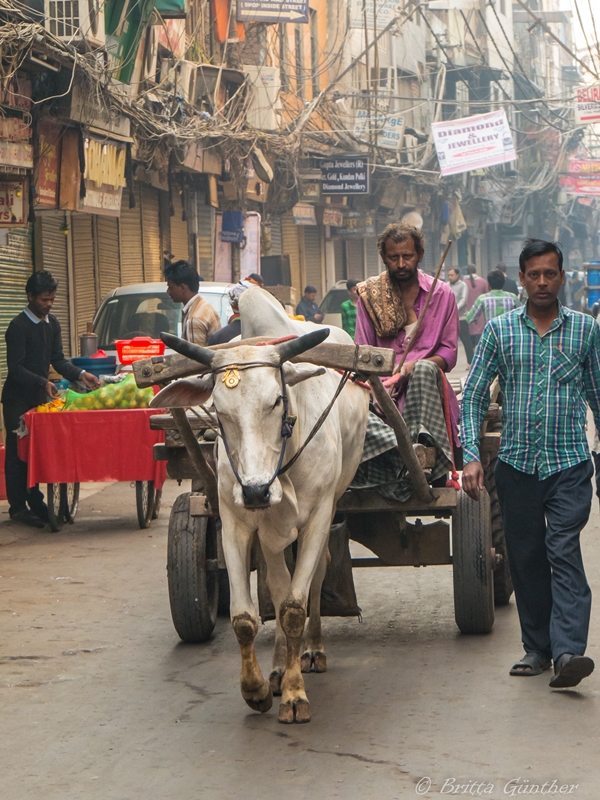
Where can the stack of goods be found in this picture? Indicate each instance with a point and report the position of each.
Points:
(53, 405)
(123, 394)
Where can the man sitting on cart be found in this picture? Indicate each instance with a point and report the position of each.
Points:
(388, 308)
(33, 342)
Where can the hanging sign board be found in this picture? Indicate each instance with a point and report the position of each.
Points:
(304, 214)
(13, 208)
(386, 129)
(385, 10)
(272, 10)
(46, 184)
(332, 216)
(587, 104)
(345, 175)
(583, 178)
(483, 140)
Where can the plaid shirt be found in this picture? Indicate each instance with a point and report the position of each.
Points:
(349, 317)
(492, 304)
(545, 381)
(199, 320)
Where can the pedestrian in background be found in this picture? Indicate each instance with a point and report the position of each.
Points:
(494, 302)
(348, 308)
(547, 359)
(199, 319)
(461, 294)
(308, 306)
(476, 286)
(510, 285)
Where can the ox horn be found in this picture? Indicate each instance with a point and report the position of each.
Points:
(201, 354)
(295, 347)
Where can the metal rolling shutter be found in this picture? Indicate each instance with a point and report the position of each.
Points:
(151, 234)
(84, 270)
(374, 262)
(276, 237)
(54, 258)
(354, 259)
(339, 248)
(291, 248)
(180, 244)
(130, 240)
(107, 248)
(205, 246)
(312, 259)
(16, 265)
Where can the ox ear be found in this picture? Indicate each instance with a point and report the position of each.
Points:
(296, 373)
(184, 393)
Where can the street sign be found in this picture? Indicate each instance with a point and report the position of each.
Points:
(345, 175)
(482, 140)
(272, 10)
(387, 129)
(583, 178)
(587, 104)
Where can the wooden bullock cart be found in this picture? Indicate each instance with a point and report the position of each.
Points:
(461, 533)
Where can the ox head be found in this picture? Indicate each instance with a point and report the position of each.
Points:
(248, 403)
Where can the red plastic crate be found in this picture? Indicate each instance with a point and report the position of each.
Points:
(130, 350)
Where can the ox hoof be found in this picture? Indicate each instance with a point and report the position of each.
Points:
(275, 679)
(315, 661)
(260, 701)
(298, 711)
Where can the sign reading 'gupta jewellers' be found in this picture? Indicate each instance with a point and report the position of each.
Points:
(345, 175)
(473, 142)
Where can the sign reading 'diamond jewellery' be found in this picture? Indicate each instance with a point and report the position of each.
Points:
(587, 104)
(386, 10)
(272, 10)
(345, 175)
(473, 142)
(386, 129)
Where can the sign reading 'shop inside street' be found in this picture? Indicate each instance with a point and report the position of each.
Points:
(483, 140)
(272, 10)
(345, 175)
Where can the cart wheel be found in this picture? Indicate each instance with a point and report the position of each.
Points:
(472, 564)
(55, 512)
(144, 498)
(157, 501)
(69, 499)
(503, 587)
(192, 572)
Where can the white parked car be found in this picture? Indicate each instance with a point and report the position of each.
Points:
(145, 309)
(331, 305)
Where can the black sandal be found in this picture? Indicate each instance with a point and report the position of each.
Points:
(531, 664)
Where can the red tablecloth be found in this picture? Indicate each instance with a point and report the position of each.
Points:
(78, 446)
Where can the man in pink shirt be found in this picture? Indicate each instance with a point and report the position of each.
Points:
(387, 312)
(476, 286)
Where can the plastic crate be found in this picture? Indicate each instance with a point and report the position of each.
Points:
(130, 350)
(97, 366)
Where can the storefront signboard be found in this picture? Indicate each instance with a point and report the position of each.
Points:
(345, 175)
(13, 205)
(583, 178)
(46, 184)
(482, 140)
(587, 104)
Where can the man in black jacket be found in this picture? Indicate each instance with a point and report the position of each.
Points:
(33, 342)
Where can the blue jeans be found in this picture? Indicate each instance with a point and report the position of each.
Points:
(542, 523)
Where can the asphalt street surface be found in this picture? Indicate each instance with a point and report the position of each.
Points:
(100, 700)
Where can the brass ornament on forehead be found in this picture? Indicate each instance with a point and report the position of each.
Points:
(232, 376)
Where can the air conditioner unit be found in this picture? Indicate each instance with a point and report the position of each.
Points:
(186, 80)
(150, 55)
(265, 88)
(76, 21)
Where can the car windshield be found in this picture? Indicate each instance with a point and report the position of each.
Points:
(333, 300)
(129, 315)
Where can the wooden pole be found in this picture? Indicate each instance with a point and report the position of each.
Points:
(198, 460)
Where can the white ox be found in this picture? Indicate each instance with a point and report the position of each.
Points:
(298, 504)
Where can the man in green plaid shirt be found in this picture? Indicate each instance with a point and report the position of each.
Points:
(547, 359)
(492, 304)
(348, 308)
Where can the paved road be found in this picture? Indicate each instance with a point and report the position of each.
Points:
(101, 702)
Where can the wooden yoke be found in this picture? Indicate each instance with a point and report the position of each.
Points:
(364, 359)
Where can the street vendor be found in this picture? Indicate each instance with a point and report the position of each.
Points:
(199, 319)
(33, 343)
(388, 308)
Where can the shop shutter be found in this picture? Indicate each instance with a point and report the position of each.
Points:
(107, 250)
(151, 234)
(54, 258)
(16, 265)
(354, 259)
(276, 237)
(374, 262)
(180, 245)
(84, 270)
(291, 248)
(206, 226)
(130, 239)
(312, 259)
(339, 248)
